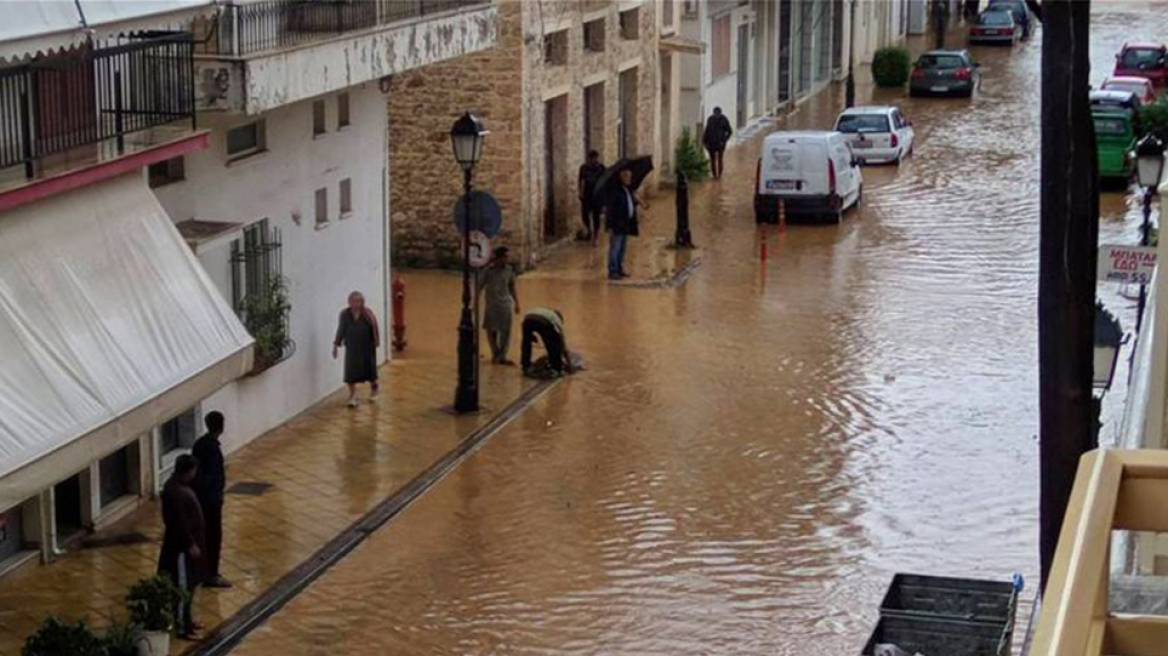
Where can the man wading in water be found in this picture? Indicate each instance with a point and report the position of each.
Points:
(498, 283)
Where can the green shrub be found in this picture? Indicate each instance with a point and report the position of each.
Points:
(1154, 119)
(56, 638)
(891, 66)
(265, 315)
(691, 157)
(152, 602)
(121, 639)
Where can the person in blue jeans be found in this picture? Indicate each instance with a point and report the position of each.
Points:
(623, 216)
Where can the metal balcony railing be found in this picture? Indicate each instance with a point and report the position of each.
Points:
(245, 29)
(59, 102)
(1114, 489)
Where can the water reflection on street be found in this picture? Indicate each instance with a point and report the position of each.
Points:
(752, 455)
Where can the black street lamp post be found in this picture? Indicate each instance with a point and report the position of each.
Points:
(1150, 168)
(467, 138)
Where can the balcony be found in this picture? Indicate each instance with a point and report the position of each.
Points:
(1084, 611)
(94, 105)
(256, 56)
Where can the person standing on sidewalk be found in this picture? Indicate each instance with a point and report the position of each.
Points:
(715, 138)
(623, 216)
(210, 484)
(183, 540)
(548, 325)
(590, 172)
(357, 330)
(498, 283)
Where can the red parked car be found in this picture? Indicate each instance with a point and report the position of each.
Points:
(1146, 60)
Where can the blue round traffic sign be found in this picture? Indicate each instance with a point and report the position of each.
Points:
(485, 214)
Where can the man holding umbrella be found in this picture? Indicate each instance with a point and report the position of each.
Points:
(622, 212)
(616, 192)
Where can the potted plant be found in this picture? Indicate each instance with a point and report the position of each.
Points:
(122, 638)
(58, 638)
(265, 315)
(151, 603)
(689, 157)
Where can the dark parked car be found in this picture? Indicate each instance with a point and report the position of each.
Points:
(1146, 60)
(995, 27)
(1122, 101)
(1019, 10)
(945, 72)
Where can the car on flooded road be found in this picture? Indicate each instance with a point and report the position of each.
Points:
(995, 27)
(1146, 60)
(1018, 10)
(1141, 87)
(876, 134)
(1124, 101)
(945, 72)
(1115, 141)
(806, 174)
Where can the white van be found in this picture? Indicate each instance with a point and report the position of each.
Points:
(813, 173)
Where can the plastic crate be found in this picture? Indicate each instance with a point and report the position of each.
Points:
(914, 595)
(940, 637)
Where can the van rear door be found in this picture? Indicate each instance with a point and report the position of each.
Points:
(782, 167)
(793, 167)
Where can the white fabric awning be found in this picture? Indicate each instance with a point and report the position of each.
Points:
(28, 27)
(109, 326)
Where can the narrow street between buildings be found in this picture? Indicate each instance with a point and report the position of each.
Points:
(751, 455)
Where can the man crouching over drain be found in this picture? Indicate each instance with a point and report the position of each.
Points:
(548, 326)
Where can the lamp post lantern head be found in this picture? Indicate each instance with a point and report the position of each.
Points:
(1108, 339)
(467, 136)
(1150, 161)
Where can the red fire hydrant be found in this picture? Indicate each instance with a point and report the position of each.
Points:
(399, 314)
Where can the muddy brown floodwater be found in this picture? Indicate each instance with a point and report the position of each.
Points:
(752, 455)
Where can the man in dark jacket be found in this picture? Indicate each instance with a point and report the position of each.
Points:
(590, 172)
(623, 214)
(183, 542)
(209, 486)
(715, 138)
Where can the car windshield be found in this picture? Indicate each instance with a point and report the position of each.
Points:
(862, 123)
(941, 61)
(1007, 6)
(1110, 127)
(1140, 58)
(995, 18)
(1133, 87)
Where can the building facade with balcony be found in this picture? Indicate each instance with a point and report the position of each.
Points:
(565, 77)
(226, 166)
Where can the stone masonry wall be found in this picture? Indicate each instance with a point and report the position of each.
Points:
(425, 181)
(509, 87)
(567, 83)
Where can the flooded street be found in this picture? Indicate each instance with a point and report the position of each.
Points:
(753, 454)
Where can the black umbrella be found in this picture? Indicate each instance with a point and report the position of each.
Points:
(608, 183)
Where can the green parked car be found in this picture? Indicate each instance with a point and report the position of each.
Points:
(1115, 139)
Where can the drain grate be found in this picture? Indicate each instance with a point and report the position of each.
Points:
(249, 488)
(119, 540)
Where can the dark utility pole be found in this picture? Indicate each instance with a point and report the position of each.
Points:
(941, 16)
(850, 85)
(1066, 284)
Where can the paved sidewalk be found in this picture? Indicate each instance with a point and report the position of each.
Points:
(326, 468)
